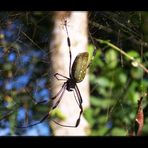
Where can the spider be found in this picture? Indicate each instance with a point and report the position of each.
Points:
(77, 73)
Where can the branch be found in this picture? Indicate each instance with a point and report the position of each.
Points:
(124, 53)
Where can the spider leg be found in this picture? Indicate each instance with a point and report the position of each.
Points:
(58, 101)
(57, 74)
(69, 45)
(76, 98)
(80, 105)
(44, 101)
(43, 119)
(62, 90)
(80, 97)
(79, 102)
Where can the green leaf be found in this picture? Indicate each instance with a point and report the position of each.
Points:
(122, 78)
(103, 82)
(119, 132)
(137, 73)
(133, 54)
(111, 58)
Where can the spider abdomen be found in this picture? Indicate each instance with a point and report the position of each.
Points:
(79, 66)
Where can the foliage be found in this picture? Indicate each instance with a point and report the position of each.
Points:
(116, 82)
(23, 68)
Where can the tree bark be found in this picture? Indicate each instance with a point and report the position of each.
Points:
(77, 29)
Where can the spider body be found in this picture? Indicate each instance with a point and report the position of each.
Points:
(79, 67)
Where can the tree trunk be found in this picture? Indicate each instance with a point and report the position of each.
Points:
(77, 29)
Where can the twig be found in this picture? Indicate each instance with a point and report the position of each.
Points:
(124, 53)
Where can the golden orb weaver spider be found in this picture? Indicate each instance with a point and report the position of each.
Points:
(77, 73)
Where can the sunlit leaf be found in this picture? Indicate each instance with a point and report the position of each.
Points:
(111, 58)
